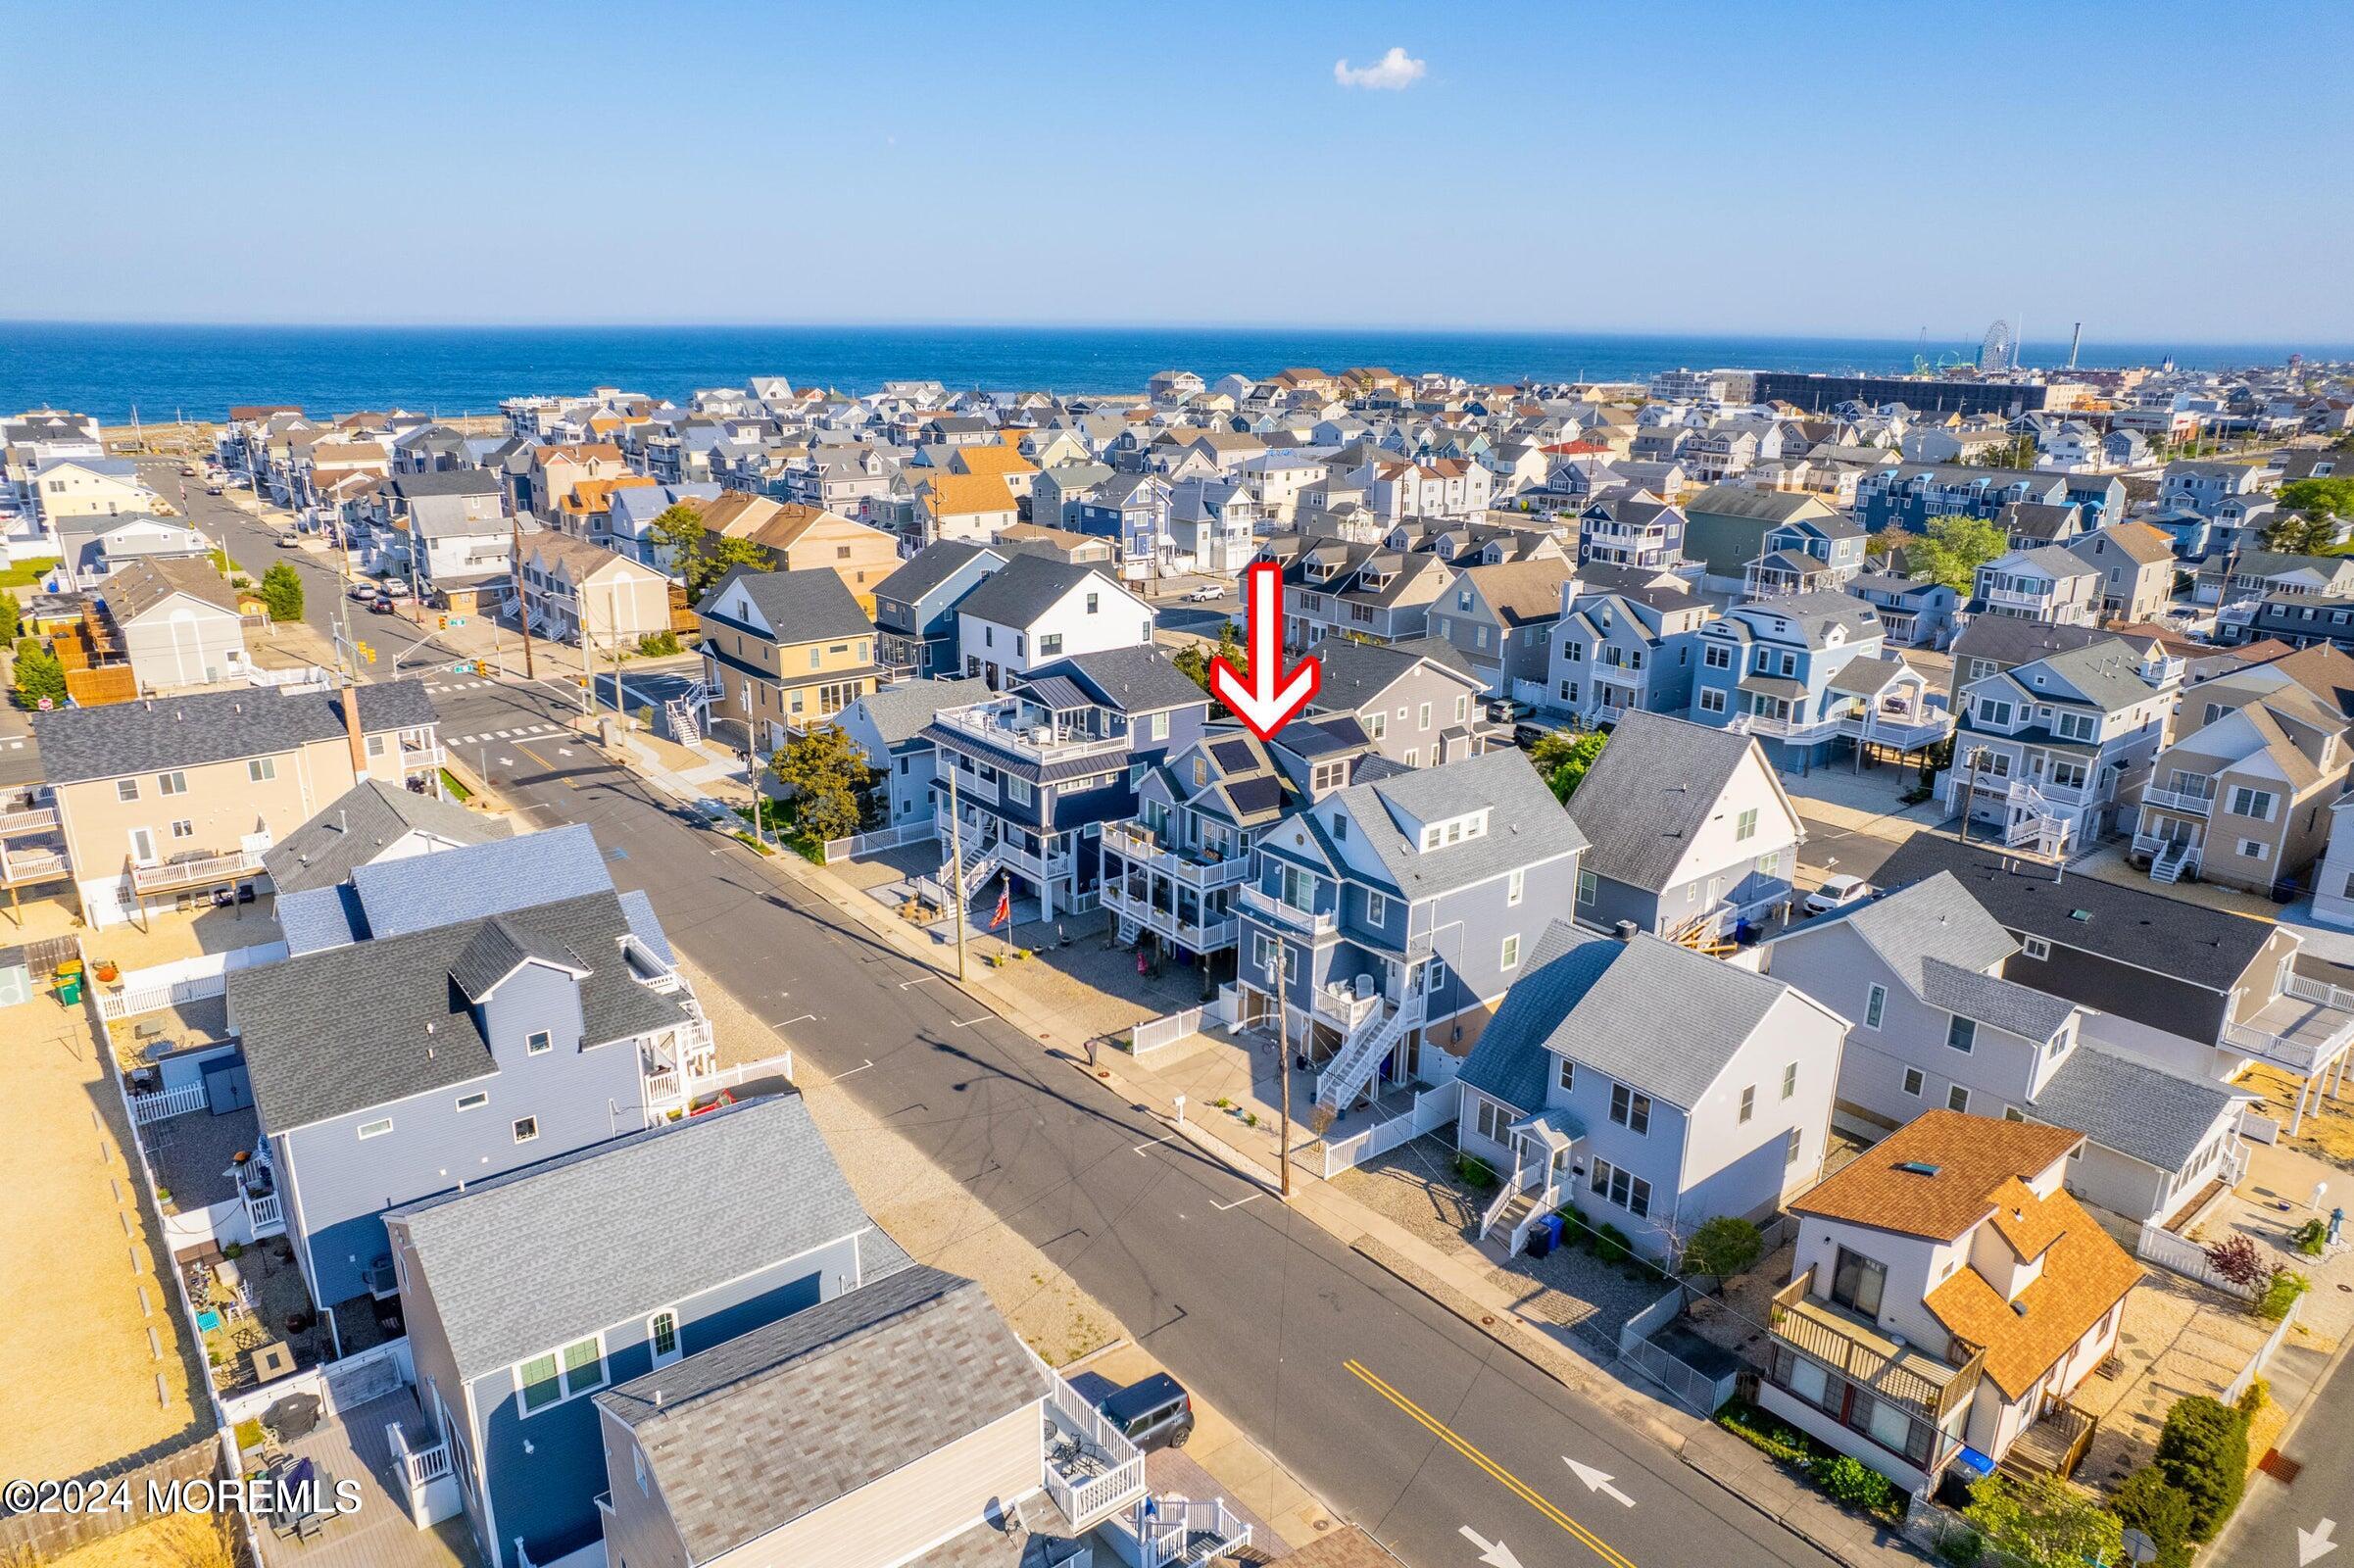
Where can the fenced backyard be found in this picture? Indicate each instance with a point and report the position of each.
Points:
(1434, 1109)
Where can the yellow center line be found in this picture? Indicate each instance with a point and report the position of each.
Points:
(1511, 1483)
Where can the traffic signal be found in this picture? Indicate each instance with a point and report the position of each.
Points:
(445, 624)
(371, 656)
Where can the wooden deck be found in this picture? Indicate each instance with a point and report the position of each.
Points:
(377, 1534)
(2053, 1443)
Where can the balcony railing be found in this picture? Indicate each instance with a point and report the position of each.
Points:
(1177, 865)
(201, 870)
(2023, 791)
(996, 725)
(18, 868)
(28, 819)
(1261, 901)
(1860, 1353)
(1091, 1469)
(1209, 932)
(1343, 1006)
(2183, 801)
(416, 757)
(1901, 728)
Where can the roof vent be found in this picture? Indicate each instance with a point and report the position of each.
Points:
(1916, 1168)
(2019, 1308)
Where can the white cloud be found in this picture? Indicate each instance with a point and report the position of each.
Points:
(1393, 72)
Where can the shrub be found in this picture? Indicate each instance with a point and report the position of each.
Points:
(2203, 1453)
(2311, 1238)
(1852, 1483)
(2043, 1521)
(2252, 1402)
(659, 644)
(1961, 1548)
(1474, 1172)
(1724, 1247)
(1763, 1432)
(2280, 1294)
(1610, 1243)
(2148, 1502)
(2236, 1259)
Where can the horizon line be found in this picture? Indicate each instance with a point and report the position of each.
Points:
(1174, 328)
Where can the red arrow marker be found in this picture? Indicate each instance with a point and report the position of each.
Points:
(1272, 696)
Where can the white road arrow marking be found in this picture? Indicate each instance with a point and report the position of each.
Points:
(2314, 1542)
(1495, 1553)
(1596, 1481)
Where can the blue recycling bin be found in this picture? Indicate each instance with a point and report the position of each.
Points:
(1553, 1224)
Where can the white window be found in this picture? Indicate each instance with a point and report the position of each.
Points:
(1587, 886)
(2255, 849)
(1712, 700)
(175, 782)
(1629, 1109)
(1957, 1098)
(1377, 908)
(1513, 886)
(473, 1102)
(1511, 953)
(1744, 826)
(126, 789)
(662, 1336)
(375, 1129)
(2257, 803)
(526, 1128)
(537, 1041)
(183, 828)
(262, 769)
(1789, 1080)
(1156, 728)
(1913, 1082)
(375, 746)
(1716, 656)
(1017, 790)
(1567, 1077)
(1962, 1034)
(1798, 1141)
(1748, 1102)
(2036, 948)
(1422, 716)
(1875, 1005)
(1377, 723)
(559, 1375)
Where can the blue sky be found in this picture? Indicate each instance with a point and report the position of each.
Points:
(2159, 172)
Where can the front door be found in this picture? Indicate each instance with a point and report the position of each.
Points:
(142, 846)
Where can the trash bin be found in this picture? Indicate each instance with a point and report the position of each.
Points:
(1540, 1242)
(69, 992)
(1554, 1225)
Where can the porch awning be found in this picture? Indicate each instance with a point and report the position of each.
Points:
(1555, 1127)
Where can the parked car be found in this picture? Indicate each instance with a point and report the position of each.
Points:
(395, 587)
(214, 487)
(1205, 596)
(1505, 711)
(1837, 891)
(363, 589)
(187, 470)
(1155, 1413)
(289, 539)
(1527, 732)
(382, 605)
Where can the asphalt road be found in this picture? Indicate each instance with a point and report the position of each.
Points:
(2280, 1523)
(1404, 1418)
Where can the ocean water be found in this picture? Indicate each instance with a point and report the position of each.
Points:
(199, 371)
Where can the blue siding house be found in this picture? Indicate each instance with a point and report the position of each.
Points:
(1040, 768)
(527, 1293)
(1807, 675)
(1387, 918)
(916, 608)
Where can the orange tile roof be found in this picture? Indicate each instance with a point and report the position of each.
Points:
(964, 494)
(1964, 1161)
(2024, 1222)
(993, 460)
(2085, 1274)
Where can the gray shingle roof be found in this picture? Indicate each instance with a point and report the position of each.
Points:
(1646, 1012)
(755, 1433)
(146, 582)
(900, 713)
(500, 946)
(152, 735)
(2157, 1117)
(396, 896)
(332, 1032)
(1992, 1001)
(1357, 673)
(929, 568)
(361, 823)
(1133, 680)
(1650, 792)
(588, 1233)
(1026, 588)
(803, 607)
(1525, 824)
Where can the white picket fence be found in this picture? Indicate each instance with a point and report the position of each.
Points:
(166, 1102)
(882, 838)
(1159, 1034)
(2187, 1259)
(1434, 1109)
(2263, 1353)
(170, 985)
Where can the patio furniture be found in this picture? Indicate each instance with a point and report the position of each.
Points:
(147, 1031)
(207, 1321)
(273, 1360)
(294, 1416)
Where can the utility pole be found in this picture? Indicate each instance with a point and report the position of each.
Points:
(522, 598)
(1283, 1070)
(613, 615)
(588, 652)
(956, 854)
(751, 770)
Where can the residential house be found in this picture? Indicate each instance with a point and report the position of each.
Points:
(619, 1290)
(1693, 836)
(2203, 486)
(1056, 544)
(540, 478)
(1724, 527)
(1212, 527)
(1034, 611)
(369, 822)
(2047, 583)
(1040, 767)
(972, 507)
(92, 547)
(1809, 674)
(1913, 495)
(802, 538)
(888, 727)
(1933, 1023)
(78, 486)
(1631, 531)
(448, 537)
(1915, 612)
(1501, 618)
(631, 522)
(173, 620)
(2049, 751)
(1132, 510)
(2030, 524)
(2197, 990)
(1949, 1260)
(916, 608)
(1058, 492)
(1387, 920)
(1170, 871)
(1624, 642)
(784, 652)
(2242, 795)
(2136, 567)
(1806, 555)
(1991, 644)
(1418, 702)
(170, 798)
(1336, 587)
(586, 594)
(1650, 1086)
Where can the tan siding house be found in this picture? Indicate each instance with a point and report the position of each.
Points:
(785, 651)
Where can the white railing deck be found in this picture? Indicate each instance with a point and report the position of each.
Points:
(265, 1214)
(165, 1104)
(1267, 903)
(1211, 935)
(32, 819)
(2179, 800)
(1179, 865)
(21, 866)
(988, 724)
(196, 871)
(2307, 989)
(1170, 1535)
(882, 838)
(1120, 1476)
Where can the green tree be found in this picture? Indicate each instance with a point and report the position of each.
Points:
(2203, 1453)
(12, 617)
(1954, 550)
(1564, 757)
(2148, 1502)
(1192, 659)
(2045, 1522)
(38, 674)
(719, 557)
(830, 780)
(2326, 498)
(679, 529)
(2302, 534)
(282, 593)
(1724, 1247)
